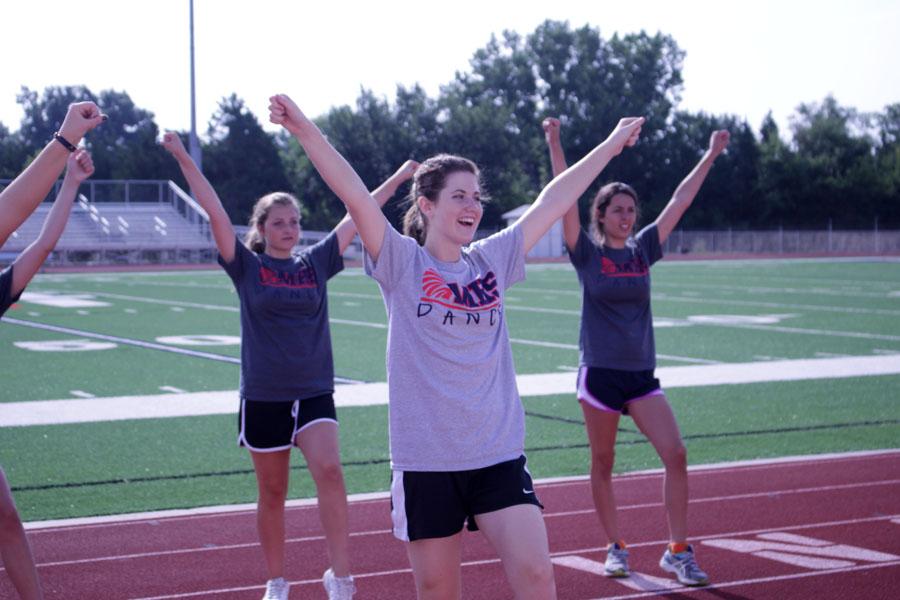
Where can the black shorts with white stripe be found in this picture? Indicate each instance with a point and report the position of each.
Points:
(435, 504)
(272, 426)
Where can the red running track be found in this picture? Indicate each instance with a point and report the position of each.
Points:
(801, 528)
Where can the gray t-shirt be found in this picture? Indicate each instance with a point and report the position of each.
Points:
(6, 297)
(285, 339)
(454, 404)
(616, 323)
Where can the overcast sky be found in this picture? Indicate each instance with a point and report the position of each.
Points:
(743, 58)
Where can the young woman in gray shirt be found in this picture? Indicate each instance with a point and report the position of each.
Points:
(456, 421)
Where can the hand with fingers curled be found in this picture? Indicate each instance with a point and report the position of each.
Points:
(626, 133)
(171, 141)
(79, 165)
(285, 112)
(407, 170)
(551, 126)
(80, 118)
(718, 141)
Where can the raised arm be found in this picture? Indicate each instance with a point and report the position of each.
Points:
(346, 228)
(336, 172)
(79, 167)
(26, 191)
(556, 198)
(219, 221)
(571, 221)
(688, 188)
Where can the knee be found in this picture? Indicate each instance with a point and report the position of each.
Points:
(675, 458)
(272, 493)
(327, 472)
(602, 462)
(538, 576)
(434, 586)
(10, 524)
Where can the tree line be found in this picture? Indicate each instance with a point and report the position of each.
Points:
(835, 164)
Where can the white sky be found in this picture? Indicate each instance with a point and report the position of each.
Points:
(743, 58)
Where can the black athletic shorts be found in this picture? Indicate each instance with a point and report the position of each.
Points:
(273, 426)
(436, 504)
(612, 389)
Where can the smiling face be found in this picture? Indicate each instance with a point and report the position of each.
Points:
(280, 229)
(456, 213)
(617, 220)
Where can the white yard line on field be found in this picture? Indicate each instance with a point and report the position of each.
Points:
(224, 402)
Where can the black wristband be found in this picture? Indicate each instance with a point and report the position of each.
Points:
(66, 143)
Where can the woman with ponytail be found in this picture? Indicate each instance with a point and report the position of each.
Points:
(457, 426)
(287, 370)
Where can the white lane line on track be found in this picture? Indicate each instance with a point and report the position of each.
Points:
(547, 515)
(318, 581)
(203, 512)
(636, 580)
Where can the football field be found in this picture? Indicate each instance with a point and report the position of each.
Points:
(119, 389)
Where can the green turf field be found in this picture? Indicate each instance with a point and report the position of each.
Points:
(706, 313)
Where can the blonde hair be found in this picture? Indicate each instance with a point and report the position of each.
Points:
(253, 239)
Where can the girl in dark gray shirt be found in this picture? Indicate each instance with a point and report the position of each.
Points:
(287, 369)
(617, 350)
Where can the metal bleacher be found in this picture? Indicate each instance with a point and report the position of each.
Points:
(124, 222)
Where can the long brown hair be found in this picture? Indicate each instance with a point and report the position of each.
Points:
(601, 203)
(428, 180)
(253, 239)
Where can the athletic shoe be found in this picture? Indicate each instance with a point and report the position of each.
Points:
(616, 561)
(684, 565)
(277, 589)
(338, 588)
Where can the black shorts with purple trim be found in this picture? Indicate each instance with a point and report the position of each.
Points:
(436, 504)
(612, 390)
(273, 426)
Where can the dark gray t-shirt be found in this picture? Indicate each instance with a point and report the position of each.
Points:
(285, 339)
(6, 297)
(616, 322)
(454, 404)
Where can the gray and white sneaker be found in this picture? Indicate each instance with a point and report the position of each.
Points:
(684, 565)
(338, 588)
(616, 561)
(277, 589)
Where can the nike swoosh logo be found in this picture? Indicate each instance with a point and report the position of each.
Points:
(524, 491)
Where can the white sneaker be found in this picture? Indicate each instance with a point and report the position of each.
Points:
(616, 561)
(338, 588)
(277, 589)
(684, 566)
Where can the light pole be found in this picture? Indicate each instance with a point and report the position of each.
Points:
(194, 142)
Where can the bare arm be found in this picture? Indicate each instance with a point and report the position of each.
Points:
(688, 188)
(79, 168)
(19, 199)
(346, 228)
(335, 170)
(571, 221)
(220, 222)
(556, 198)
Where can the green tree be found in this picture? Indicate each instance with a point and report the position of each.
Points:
(241, 160)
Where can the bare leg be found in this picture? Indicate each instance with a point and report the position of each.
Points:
(435, 563)
(272, 473)
(14, 548)
(319, 444)
(519, 535)
(655, 419)
(602, 427)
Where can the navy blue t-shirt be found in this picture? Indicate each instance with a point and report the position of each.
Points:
(616, 322)
(6, 297)
(285, 339)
